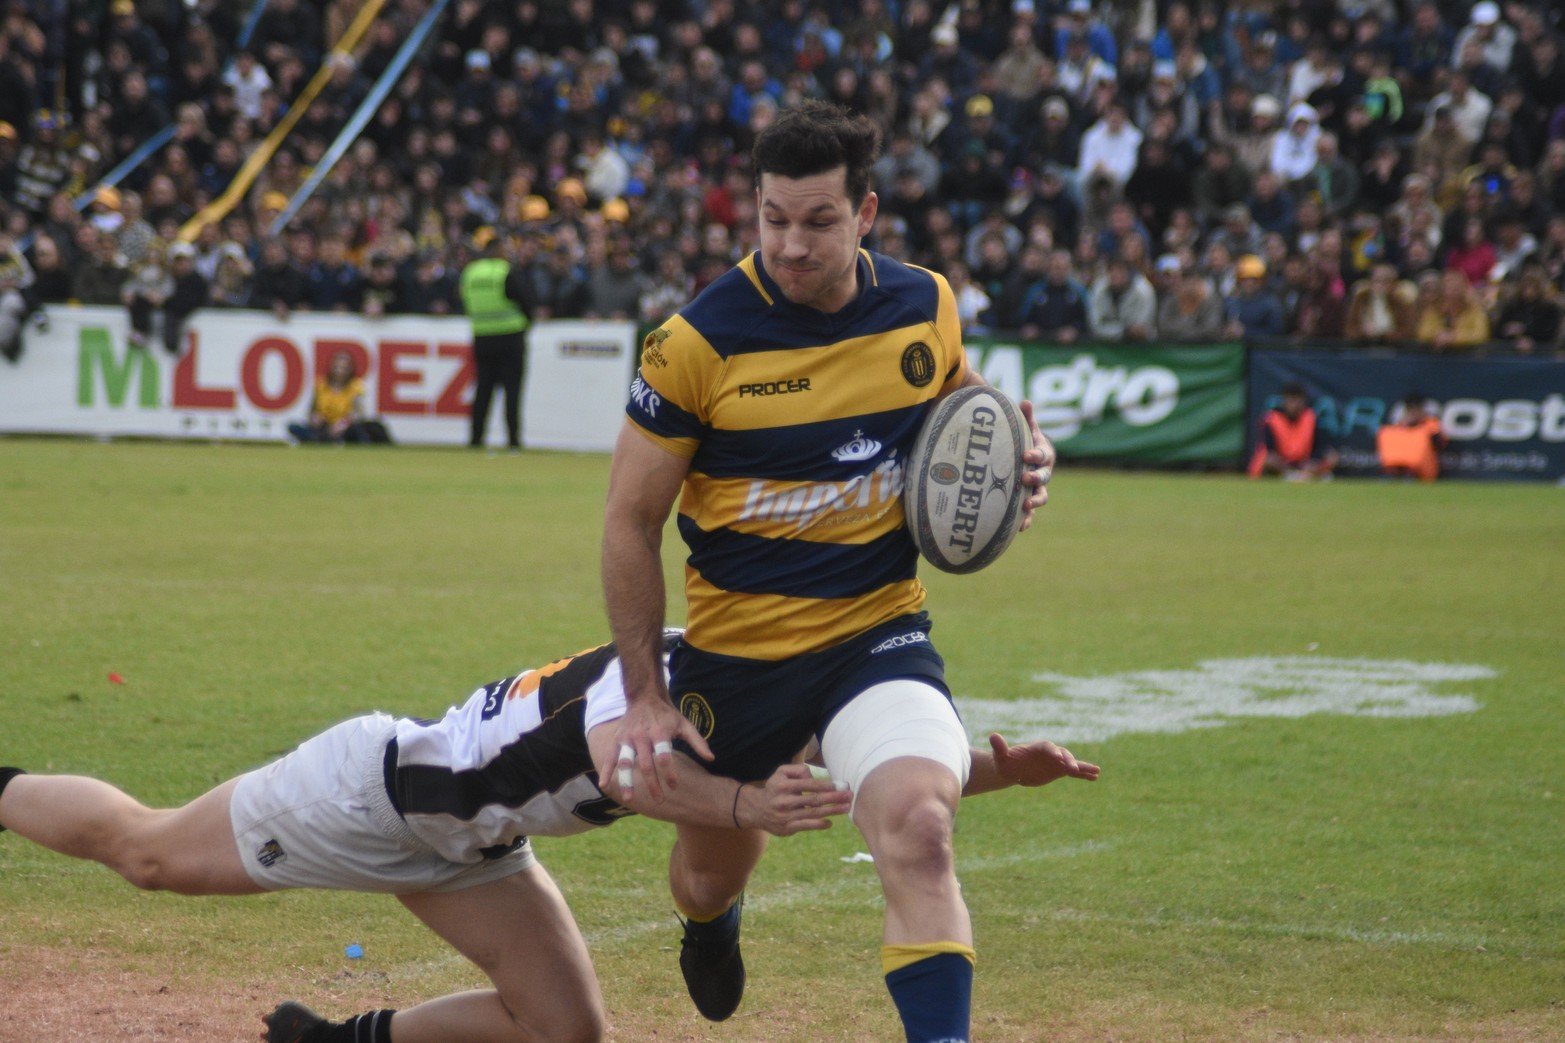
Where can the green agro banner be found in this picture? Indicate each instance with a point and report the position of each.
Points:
(1144, 402)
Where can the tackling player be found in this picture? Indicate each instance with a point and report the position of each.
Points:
(439, 813)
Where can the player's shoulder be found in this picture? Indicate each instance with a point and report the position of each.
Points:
(919, 288)
(723, 313)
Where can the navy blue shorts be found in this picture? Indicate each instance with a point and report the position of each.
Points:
(756, 714)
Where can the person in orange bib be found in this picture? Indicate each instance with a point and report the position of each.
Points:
(1290, 442)
(1410, 446)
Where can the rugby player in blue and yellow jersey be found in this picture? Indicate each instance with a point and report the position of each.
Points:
(779, 408)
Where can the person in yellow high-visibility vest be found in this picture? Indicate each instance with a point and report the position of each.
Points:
(494, 296)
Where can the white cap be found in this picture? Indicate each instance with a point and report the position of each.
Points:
(1079, 6)
(1486, 12)
(945, 32)
(477, 59)
(1302, 111)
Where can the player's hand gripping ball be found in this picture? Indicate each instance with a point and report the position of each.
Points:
(964, 491)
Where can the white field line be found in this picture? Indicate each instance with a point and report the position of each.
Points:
(1329, 932)
(858, 882)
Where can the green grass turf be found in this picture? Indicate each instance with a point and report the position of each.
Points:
(1315, 877)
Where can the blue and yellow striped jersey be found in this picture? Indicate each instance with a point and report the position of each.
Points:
(797, 424)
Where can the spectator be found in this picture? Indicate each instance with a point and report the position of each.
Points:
(1293, 152)
(1253, 310)
(1454, 318)
(1056, 308)
(144, 294)
(615, 285)
(279, 284)
(231, 281)
(1333, 179)
(16, 280)
(1110, 148)
(1123, 304)
(1381, 310)
(336, 407)
(971, 300)
(100, 276)
(1290, 441)
(1409, 445)
(1474, 256)
(51, 275)
(1007, 308)
(1530, 319)
(187, 292)
(332, 284)
(1494, 40)
(1192, 312)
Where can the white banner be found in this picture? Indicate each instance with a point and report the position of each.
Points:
(247, 375)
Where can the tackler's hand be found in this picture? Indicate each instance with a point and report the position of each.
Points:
(1039, 461)
(793, 800)
(1037, 763)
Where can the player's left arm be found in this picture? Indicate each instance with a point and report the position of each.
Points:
(1026, 764)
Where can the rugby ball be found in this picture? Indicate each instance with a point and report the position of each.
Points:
(964, 492)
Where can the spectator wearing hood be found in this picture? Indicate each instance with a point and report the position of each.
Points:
(1293, 153)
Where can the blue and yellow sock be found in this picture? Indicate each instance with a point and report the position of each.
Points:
(932, 986)
(712, 928)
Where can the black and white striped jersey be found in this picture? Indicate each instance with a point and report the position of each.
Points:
(512, 761)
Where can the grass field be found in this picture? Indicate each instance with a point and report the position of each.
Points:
(1271, 874)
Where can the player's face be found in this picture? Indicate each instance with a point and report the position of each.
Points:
(810, 232)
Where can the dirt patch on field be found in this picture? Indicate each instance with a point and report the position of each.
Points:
(54, 996)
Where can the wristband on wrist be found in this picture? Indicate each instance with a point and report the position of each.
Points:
(737, 792)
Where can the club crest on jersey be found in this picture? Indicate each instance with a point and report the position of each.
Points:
(918, 364)
(698, 712)
(270, 853)
(860, 448)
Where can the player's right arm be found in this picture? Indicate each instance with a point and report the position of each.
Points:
(644, 480)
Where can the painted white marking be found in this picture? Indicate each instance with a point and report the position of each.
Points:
(1091, 709)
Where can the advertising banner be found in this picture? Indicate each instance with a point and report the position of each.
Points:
(1505, 416)
(246, 375)
(1143, 402)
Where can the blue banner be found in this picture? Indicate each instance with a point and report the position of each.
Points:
(1505, 416)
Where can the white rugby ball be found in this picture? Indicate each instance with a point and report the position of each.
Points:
(964, 491)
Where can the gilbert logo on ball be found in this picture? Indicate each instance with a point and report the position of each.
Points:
(964, 495)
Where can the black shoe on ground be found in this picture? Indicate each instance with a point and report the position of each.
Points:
(710, 960)
(292, 1023)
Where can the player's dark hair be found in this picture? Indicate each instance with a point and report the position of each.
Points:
(815, 137)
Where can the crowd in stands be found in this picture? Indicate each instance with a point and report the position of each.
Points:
(1370, 170)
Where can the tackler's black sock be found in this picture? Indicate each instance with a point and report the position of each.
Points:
(6, 775)
(371, 1027)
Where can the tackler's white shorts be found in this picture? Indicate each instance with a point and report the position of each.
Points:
(897, 718)
(321, 817)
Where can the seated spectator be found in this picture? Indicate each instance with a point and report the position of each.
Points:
(144, 295)
(1290, 442)
(971, 300)
(1454, 318)
(1123, 304)
(1110, 148)
(100, 275)
(1531, 316)
(16, 278)
(1253, 310)
(336, 407)
(615, 286)
(1193, 312)
(1474, 256)
(1381, 309)
(1293, 153)
(332, 283)
(51, 275)
(1409, 446)
(1056, 307)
